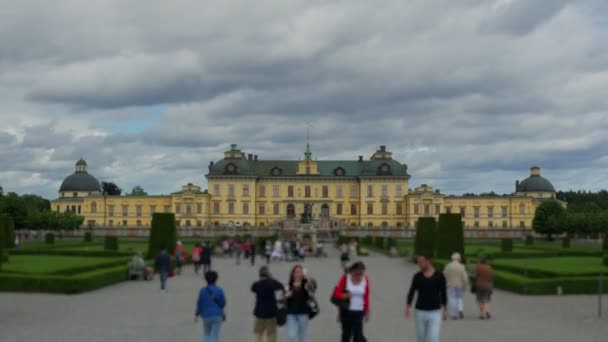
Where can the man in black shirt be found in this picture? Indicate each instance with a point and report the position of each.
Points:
(265, 311)
(430, 302)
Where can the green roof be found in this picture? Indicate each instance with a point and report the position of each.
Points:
(327, 168)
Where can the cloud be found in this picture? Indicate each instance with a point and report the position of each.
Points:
(521, 17)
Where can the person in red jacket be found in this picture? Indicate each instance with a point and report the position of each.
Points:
(180, 256)
(354, 287)
(196, 256)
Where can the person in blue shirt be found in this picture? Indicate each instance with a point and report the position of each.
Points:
(210, 307)
(163, 266)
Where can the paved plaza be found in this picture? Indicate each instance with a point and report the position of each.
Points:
(137, 311)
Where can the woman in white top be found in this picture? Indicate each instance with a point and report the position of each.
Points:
(354, 287)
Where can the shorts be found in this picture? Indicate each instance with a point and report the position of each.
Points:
(484, 293)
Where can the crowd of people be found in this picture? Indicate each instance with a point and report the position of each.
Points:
(433, 296)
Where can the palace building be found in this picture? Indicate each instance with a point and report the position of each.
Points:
(245, 190)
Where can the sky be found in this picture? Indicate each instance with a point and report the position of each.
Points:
(469, 94)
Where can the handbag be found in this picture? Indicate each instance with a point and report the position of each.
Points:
(281, 316)
(342, 304)
(313, 307)
(214, 299)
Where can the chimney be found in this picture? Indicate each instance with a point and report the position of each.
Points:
(516, 186)
(360, 158)
(211, 163)
(255, 157)
(382, 148)
(249, 156)
(535, 171)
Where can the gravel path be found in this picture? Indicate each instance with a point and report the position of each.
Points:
(137, 311)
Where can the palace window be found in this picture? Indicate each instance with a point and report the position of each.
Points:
(490, 224)
(399, 208)
(476, 212)
(353, 209)
(416, 210)
(339, 191)
(125, 210)
(216, 189)
(476, 224)
(370, 190)
(316, 192)
(370, 208)
(353, 191)
(308, 170)
(138, 209)
(124, 223)
(178, 208)
(110, 223)
(307, 191)
(138, 223)
(522, 209)
(385, 208)
(275, 191)
(505, 211)
(245, 189)
(199, 223)
(230, 190)
(504, 224)
(167, 208)
(199, 208)
(522, 224)
(339, 209)
(152, 209)
(74, 194)
(246, 208)
(216, 208)
(262, 191)
(399, 191)
(178, 223)
(490, 211)
(275, 209)
(262, 209)
(231, 208)
(427, 209)
(463, 211)
(93, 207)
(384, 191)
(79, 209)
(290, 191)
(188, 209)
(325, 191)
(437, 209)
(448, 210)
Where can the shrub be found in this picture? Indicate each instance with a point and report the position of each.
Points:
(426, 235)
(49, 238)
(2, 246)
(163, 234)
(8, 231)
(77, 253)
(605, 242)
(366, 241)
(566, 242)
(110, 243)
(506, 245)
(606, 259)
(88, 237)
(529, 240)
(450, 236)
(363, 251)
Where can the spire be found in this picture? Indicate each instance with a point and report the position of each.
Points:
(308, 154)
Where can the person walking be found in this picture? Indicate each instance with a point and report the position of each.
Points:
(266, 308)
(252, 251)
(457, 281)
(268, 251)
(180, 255)
(353, 287)
(210, 307)
(344, 255)
(206, 257)
(300, 293)
(430, 287)
(163, 266)
(195, 256)
(484, 285)
(238, 251)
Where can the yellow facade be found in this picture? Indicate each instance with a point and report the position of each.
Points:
(250, 192)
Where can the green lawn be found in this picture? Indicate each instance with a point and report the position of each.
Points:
(556, 265)
(47, 264)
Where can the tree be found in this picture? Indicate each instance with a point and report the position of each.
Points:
(111, 189)
(163, 234)
(542, 223)
(137, 191)
(450, 236)
(426, 236)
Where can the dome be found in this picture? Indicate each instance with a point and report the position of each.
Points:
(535, 183)
(80, 180)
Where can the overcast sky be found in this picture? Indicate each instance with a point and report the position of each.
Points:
(469, 93)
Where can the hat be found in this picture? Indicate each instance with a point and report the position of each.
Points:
(179, 243)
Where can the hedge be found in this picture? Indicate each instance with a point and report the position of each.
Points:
(565, 242)
(605, 259)
(605, 242)
(506, 245)
(63, 284)
(450, 236)
(163, 234)
(76, 270)
(49, 238)
(59, 252)
(426, 236)
(529, 240)
(88, 237)
(2, 249)
(8, 231)
(110, 243)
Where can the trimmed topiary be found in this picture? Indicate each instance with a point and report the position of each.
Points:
(605, 242)
(110, 243)
(506, 245)
(2, 244)
(606, 259)
(566, 242)
(88, 237)
(163, 234)
(8, 231)
(49, 238)
(529, 240)
(450, 236)
(426, 236)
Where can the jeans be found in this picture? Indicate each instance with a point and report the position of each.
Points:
(352, 326)
(238, 258)
(206, 267)
(163, 279)
(211, 329)
(455, 303)
(297, 326)
(428, 325)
